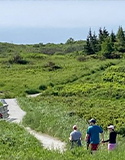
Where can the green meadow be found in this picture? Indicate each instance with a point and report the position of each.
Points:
(73, 87)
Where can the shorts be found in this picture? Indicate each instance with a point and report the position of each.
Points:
(94, 147)
(76, 142)
(111, 146)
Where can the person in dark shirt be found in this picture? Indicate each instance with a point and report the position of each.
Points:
(112, 138)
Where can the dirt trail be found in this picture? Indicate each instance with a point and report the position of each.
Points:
(16, 115)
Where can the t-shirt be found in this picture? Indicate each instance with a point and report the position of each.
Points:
(76, 135)
(112, 137)
(93, 132)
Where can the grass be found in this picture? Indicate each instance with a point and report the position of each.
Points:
(16, 143)
(51, 117)
(74, 89)
(18, 80)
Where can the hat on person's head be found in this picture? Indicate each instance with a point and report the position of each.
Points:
(110, 127)
(75, 127)
(92, 121)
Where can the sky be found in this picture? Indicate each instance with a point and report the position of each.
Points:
(55, 21)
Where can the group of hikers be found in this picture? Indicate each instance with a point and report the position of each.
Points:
(92, 137)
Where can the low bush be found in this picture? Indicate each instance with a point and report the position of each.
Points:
(42, 87)
(31, 91)
(17, 59)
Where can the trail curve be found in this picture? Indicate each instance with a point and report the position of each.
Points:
(16, 115)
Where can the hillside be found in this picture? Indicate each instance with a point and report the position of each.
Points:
(74, 87)
(97, 84)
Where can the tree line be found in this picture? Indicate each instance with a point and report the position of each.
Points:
(110, 45)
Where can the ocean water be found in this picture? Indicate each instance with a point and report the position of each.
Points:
(55, 21)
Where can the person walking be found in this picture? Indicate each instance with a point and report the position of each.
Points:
(93, 132)
(112, 138)
(75, 137)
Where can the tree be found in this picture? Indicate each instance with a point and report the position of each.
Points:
(103, 34)
(120, 40)
(94, 43)
(87, 47)
(91, 46)
(106, 48)
(100, 35)
(120, 35)
(112, 37)
(70, 41)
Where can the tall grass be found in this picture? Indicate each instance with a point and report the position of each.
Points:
(18, 80)
(17, 144)
(51, 116)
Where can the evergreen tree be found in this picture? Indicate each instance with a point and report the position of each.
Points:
(112, 37)
(106, 48)
(87, 47)
(105, 33)
(120, 40)
(100, 35)
(91, 46)
(94, 43)
(120, 35)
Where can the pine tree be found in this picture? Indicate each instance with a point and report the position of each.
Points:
(100, 35)
(87, 47)
(112, 37)
(105, 33)
(120, 40)
(91, 46)
(120, 35)
(106, 48)
(94, 43)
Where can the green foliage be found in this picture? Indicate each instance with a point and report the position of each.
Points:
(85, 86)
(106, 44)
(70, 41)
(17, 59)
(52, 66)
(91, 46)
(51, 116)
(31, 91)
(43, 87)
(106, 48)
(119, 45)
(16, 143)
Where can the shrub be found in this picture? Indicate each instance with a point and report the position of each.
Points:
(43, 87)
(17, 59)
(82, 58)
(122, 131)
(52, 66)
(32, 91)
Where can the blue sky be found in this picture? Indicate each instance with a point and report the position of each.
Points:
(54, 21)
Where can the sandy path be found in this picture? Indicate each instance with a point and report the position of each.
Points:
(48, 141)
(16, 115)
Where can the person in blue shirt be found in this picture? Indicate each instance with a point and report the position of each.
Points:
(94, 132)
